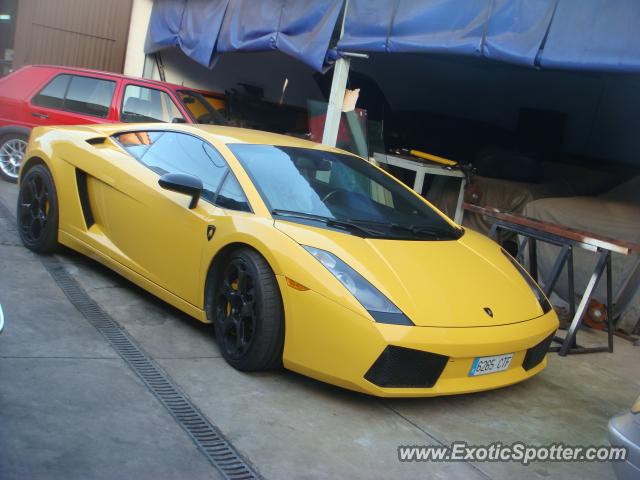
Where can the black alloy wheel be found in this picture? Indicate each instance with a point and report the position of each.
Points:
(37, 214)
(248, 316)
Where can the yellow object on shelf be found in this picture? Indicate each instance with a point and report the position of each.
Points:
(433, 158)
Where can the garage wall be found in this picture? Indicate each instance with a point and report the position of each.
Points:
(603, 109)
(266, 69)
(79, 33)
(616, 126)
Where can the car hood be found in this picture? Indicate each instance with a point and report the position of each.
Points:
(435, 283)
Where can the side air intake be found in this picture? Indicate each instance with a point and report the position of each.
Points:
(83, 194)
(96, 140)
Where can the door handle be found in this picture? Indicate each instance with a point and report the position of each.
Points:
(39, 115)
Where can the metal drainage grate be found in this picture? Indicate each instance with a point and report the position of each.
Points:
(205, 435)
(209, 440)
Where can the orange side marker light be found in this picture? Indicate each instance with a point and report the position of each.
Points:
(295, 285)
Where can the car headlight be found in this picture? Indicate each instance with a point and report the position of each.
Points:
(535, 288)
(379, 307)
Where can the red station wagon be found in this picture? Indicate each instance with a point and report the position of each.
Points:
(49, 95)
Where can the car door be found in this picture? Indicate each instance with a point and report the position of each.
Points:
(152, 230)
(69, 99)
(142, 103)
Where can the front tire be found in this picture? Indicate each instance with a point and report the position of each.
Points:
(247, 313)
(37, 214)
(12, 149)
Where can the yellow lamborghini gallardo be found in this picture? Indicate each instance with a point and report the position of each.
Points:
(300, 255)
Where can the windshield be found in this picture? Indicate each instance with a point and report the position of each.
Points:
(339, 190)
(200, 108)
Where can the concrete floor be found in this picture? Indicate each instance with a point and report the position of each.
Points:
(70, 408)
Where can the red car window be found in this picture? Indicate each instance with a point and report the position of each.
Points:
(52, 95)
(142, 104)
(89, 96)
(79, 94)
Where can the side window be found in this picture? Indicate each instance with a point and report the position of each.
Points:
(172, 152)
(52, 95)
(90, 96)
(231, 195)
(86, 95)
(142, 104)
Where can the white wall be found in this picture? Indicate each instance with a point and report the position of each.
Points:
(134, 57)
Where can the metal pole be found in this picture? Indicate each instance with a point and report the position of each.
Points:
(148, 67)
(555, 272)
(336, 98)
(571, 284)
(584, 303)
(533, 259)
(609, 303)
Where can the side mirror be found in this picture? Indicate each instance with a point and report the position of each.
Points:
(182, 183)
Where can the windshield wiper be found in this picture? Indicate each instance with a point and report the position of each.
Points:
(330, 222)
(430, 230)
(420, 229)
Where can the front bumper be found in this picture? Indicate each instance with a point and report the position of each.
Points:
(331, 343)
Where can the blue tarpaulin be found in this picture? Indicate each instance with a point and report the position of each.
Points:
(570, 34)
(445, 26)
(204, 29)
(594, 35)
(516, 30)
(300, 28)
(164, 25)
(506, 30)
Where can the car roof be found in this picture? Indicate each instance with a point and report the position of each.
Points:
(230, 135)
(216, 133)
(119, 75)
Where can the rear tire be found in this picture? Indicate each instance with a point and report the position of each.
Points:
(37, 214)
(247, 312)
(12, 149)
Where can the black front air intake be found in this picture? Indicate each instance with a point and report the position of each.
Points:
(399, 367)
(536, 354)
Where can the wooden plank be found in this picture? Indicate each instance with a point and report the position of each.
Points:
(599, 241)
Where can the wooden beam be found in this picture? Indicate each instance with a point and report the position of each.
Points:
(593, 239)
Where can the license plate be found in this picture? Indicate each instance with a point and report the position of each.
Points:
(484, 365)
